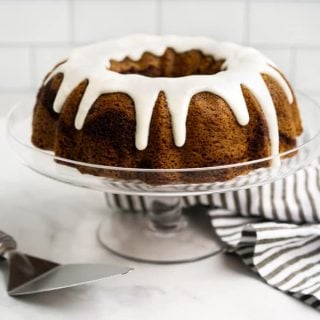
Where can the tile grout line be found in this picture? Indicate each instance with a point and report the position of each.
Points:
(293, 64)
(48, 45)
(270, 1)
(71, 21)
(288, 46)
(18, 45)
(247, 15)
(159, 16)
(17, 90)
(33, 67)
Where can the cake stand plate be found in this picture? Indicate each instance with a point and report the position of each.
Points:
(166, 233)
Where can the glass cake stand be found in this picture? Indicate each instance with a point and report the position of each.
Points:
(166, 233)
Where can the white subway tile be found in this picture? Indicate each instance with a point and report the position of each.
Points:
(9, 99)
(45, 60)
(15, 68)
(34, 21)
(307, 75)
(98, 20)
(281, 58)
(284, 23)
(224, 20)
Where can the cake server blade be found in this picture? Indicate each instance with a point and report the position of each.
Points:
(28, 274)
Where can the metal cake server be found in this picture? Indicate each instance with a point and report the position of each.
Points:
(28, 274)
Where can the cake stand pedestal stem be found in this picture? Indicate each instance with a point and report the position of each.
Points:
(165, 234)
(165, 214)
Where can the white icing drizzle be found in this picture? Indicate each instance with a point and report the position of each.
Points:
(243, 65)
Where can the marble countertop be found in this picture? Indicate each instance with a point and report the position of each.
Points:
(59, 222)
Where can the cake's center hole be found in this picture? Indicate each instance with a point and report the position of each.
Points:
(170, 64)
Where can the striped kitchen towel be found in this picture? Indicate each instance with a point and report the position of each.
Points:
(285, 255)
(274, 229)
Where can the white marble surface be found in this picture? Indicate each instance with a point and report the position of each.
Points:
(59, 222)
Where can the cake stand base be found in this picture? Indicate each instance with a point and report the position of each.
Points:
(137, 236)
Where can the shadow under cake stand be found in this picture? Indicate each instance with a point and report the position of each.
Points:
(164, 232)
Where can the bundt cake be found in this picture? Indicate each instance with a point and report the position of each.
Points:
(166, 102)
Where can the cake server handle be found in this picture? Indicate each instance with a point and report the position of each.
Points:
(7, 243)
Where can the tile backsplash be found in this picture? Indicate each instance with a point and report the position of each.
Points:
(35, 34)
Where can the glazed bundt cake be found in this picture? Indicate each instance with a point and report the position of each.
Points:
(166, 102)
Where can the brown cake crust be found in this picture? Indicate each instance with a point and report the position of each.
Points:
(214, 136)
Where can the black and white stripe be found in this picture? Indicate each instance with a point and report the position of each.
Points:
(293, 199)
(274, 229)
(286, 256)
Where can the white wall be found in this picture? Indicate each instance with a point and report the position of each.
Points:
(34, 34)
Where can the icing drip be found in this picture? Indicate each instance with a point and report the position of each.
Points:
(243, 65)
